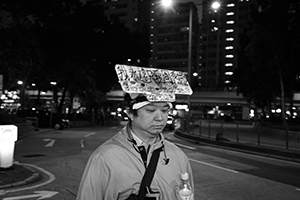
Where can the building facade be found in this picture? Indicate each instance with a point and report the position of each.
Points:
(221, 30)
(170, 37)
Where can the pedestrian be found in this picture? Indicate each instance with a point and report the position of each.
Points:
(115, 170)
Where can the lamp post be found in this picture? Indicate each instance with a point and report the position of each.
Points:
(215, 6)
(168, 4)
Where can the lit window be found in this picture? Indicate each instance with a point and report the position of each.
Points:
(229, 39)
(230, 22)
(227, 81)
(229, 73)
(229, 30)
(229, 47)
(229, 56)
(213, 21)
(230, 5)
(230, 13)
(228, 65)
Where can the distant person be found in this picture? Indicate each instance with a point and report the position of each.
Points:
(115, 170)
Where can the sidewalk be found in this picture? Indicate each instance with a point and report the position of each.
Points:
(269, 151)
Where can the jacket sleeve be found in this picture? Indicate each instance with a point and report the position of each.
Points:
(98, 181)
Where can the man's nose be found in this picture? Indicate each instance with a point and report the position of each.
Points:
(159, 115)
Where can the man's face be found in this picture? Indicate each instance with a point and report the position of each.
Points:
(151, 118)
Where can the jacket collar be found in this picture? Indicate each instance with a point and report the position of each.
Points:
(129, 139)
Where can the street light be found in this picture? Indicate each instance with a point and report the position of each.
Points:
(215, 6)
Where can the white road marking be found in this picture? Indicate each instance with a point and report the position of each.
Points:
(51, 142)
(51, 179)
(188, 147)
(88, 135)
(81, 144)
(40, 194)
(215, 166)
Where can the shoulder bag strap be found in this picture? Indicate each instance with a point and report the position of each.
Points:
(149, 173)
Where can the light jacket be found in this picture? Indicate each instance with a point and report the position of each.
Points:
(115, 170)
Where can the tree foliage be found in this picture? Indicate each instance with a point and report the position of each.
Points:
(64, 41)
(268, 61)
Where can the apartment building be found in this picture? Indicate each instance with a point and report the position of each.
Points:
(170, 39)
(221, 30)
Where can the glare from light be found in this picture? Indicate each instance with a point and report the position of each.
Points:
(273, 110)
(216, 5)
(20, 82)
(166, 3)
(179, 107)
(278, 110)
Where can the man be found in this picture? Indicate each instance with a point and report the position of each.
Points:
(115, 170)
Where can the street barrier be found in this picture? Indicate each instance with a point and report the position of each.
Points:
(242, 132)
(8, 137)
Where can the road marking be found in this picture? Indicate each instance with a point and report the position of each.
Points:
(51, 179)
(298, 189)
(51, 142)
(188, 147)
(40, 194)
(88, 135)
(215, 166)
(81, 144)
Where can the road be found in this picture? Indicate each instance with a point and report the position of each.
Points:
(218, 173)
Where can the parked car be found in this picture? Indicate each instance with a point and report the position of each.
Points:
(44, 118)
(170, 123)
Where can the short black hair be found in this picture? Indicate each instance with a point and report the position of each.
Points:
(129, 103)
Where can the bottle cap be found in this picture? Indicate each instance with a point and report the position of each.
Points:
(185, 176)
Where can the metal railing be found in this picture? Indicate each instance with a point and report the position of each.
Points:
(242, 132)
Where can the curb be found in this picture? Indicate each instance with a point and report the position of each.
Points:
(35, 175)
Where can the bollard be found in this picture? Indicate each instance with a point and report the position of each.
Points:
(8, 136)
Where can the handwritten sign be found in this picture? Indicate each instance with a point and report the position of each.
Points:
(156, 84)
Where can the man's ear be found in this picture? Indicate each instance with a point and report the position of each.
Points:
(128, 113)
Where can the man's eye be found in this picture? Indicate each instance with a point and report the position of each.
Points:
(165, 111)
(150, 110)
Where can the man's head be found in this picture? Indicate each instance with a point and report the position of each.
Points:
(146, 116)
(150, 93)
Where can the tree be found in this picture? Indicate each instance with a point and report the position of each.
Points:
(268, 54)
(70, 43)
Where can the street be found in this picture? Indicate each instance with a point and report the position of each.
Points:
(61, 156)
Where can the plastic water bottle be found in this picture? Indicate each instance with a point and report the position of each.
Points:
(185, 189)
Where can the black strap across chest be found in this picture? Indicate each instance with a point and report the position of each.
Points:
(149, 173)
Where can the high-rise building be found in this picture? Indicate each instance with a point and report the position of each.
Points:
(169, 37)
(221, 30)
